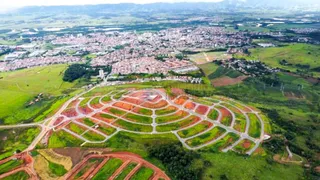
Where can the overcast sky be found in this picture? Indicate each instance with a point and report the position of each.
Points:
(20, 3)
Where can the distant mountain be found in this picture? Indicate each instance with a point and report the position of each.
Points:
(162, 7)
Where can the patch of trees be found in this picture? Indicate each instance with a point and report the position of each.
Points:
(194, 74)
(180, 56)
(161, 57)
(76, 71)
(200, 93)
(178, 161)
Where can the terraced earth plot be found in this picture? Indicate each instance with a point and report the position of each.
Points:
(218, 123)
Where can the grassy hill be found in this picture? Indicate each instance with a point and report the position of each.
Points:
(18, 88)
(294, 54)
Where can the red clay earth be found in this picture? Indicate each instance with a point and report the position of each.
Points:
(70, 112)
(246, 144)
(126, 157)
(98, 116)
(190, 105)
(62, 125)
(58, 120)
(202, 109)
(122, 105)
(225, 113)
(194, 120)
(226, 81)
(85, 110)
(133, 101)
(160, 104)
(181, 100)
(96, 106)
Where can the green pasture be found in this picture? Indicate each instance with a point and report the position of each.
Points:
(176, 125)
(170, 118)
(12, 164)
(21, 175)
(133, 127)
(126, 171)
(194, 130)
(142, 174)
(226, 141)
(206, 137)
(57, 169)
(18, 88)
(241, 148)
(167, 110)
(255, 126)
(93, 136)
(76, 128)
(16, 139)
(63, 139)
(303, 54)
(108, 130)
(137, 118)
(108, 169)
(213, 114)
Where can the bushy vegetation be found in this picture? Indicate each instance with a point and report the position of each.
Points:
(76, 71)
(178, 161)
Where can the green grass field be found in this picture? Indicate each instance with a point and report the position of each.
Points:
(142, 174)
(126, 171)
(21, 175)
(63, 139)
(194, 130)
(206, 137)
(57, 169)
(226, 141)
(255, 126)
(304, 54)
(106, 129)
(92, 136)
(76, 128)
(16, 139)
(233, 166)
(168, 110)
(213, 114)
(9, 165)
(19, 87)
(176, 125)
(169, 118)
(133, 127)
(108, 169)
(137, 118)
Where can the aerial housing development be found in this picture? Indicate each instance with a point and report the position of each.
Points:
(214, 90)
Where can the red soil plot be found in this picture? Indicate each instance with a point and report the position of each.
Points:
(133, 101)
(73, 103)
(85, 110)
(195, 119)
(190, 105)
(202, 109)
(160, 104)
(62, 125)
(58, 120)
(181, 100)
(137, 94)
(123, 105)
(70, 112)
(226, 116)
(104, 117)
(177, 91)
(246, 144)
